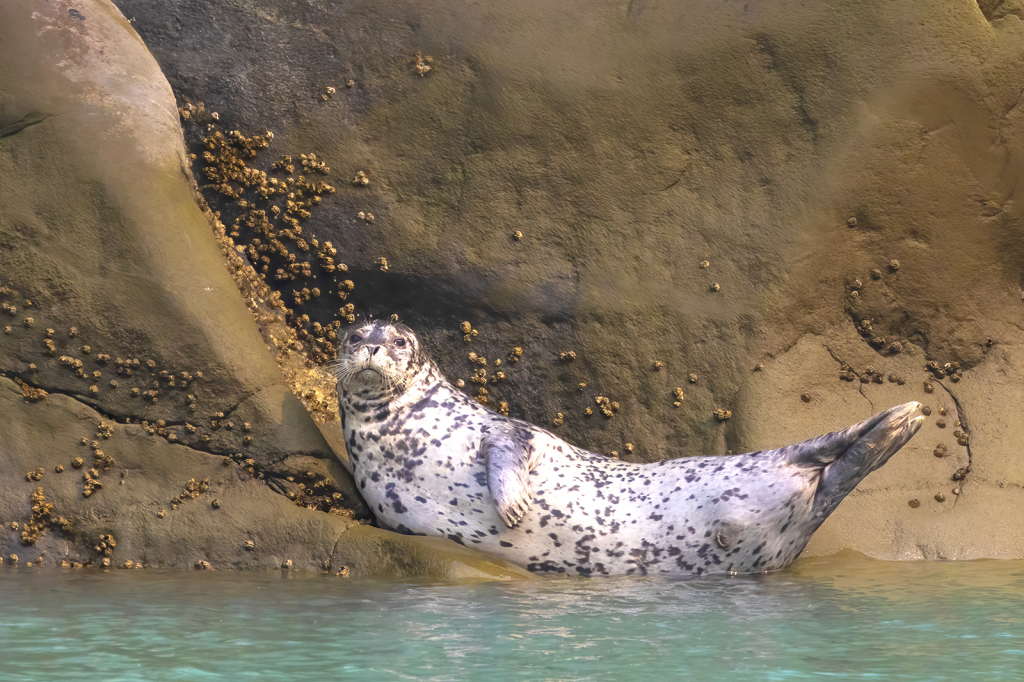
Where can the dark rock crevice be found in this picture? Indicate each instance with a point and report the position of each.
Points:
(30, 119)
(997, 9)
(961, 476)
(845, 366)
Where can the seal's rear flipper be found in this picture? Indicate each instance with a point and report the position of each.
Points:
(889, 432)
(846, 457)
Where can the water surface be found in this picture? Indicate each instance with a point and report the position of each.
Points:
(843, 618)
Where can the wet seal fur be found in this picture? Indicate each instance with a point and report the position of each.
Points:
(430, 460)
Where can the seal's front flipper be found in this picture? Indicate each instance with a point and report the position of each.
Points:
(509, 454)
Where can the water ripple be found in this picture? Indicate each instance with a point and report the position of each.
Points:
(843, 618)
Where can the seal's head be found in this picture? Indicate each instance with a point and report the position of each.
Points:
(378, 360)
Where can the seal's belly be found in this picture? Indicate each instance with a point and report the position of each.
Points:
(422, 480)
(591, 515)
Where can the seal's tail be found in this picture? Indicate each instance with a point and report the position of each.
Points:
(846, 457)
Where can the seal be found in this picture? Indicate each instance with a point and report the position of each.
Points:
(430, 460)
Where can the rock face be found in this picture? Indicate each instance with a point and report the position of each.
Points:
(784, 210)
(815, 189)
(145, 422)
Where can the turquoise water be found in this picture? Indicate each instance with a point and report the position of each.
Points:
(842, 618)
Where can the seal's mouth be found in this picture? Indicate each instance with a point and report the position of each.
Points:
(365, 374)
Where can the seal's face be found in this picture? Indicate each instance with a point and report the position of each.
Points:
(378, 360)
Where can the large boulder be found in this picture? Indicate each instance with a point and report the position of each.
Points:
(799, 214)
(145, 420)
(783, 200)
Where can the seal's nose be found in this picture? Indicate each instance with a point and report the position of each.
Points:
(373, 351)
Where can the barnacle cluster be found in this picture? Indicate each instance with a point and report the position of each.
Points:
(32, 394)
(866, 329)
(283, 272)
(192, 490)
(846, 373)
(420, 64)
(43, 517)
(102, 462)
(105, 546)
(606, 406)
(468, 333)
(91, 482)
(950, 369)
(871, 376)
(269, 209)
(315, 491)
(189, 111)
(961, 473)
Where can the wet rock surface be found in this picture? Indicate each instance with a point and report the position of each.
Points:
(773, 199)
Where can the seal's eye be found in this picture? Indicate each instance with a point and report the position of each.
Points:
(355, 338)
(400, 343)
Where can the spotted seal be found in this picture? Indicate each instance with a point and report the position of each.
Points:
(430, 460)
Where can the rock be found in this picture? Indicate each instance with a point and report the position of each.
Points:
(628, 151)
(145, 476)
(564, 184)
(167, 506)
(115, 293)
(875, 519)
